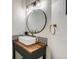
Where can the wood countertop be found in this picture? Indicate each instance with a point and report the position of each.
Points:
(30, 48)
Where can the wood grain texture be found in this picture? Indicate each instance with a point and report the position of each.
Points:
(30, 48)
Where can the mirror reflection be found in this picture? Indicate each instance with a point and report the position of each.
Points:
(36, 21)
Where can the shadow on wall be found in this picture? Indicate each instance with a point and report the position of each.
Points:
(49, 52)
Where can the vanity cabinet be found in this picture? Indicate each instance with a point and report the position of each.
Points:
(33, 51)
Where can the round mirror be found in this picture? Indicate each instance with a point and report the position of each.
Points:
(36, 21)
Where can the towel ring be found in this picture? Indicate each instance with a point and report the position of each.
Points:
(54, 28)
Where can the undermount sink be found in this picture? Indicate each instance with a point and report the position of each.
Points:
(27, 40)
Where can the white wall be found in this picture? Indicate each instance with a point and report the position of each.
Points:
(59, 41)
(18, 18)
(56, 44)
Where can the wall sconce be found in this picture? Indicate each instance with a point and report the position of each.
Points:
(53, 28)
(33, 3)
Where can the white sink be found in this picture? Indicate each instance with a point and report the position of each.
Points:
(27, 40)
